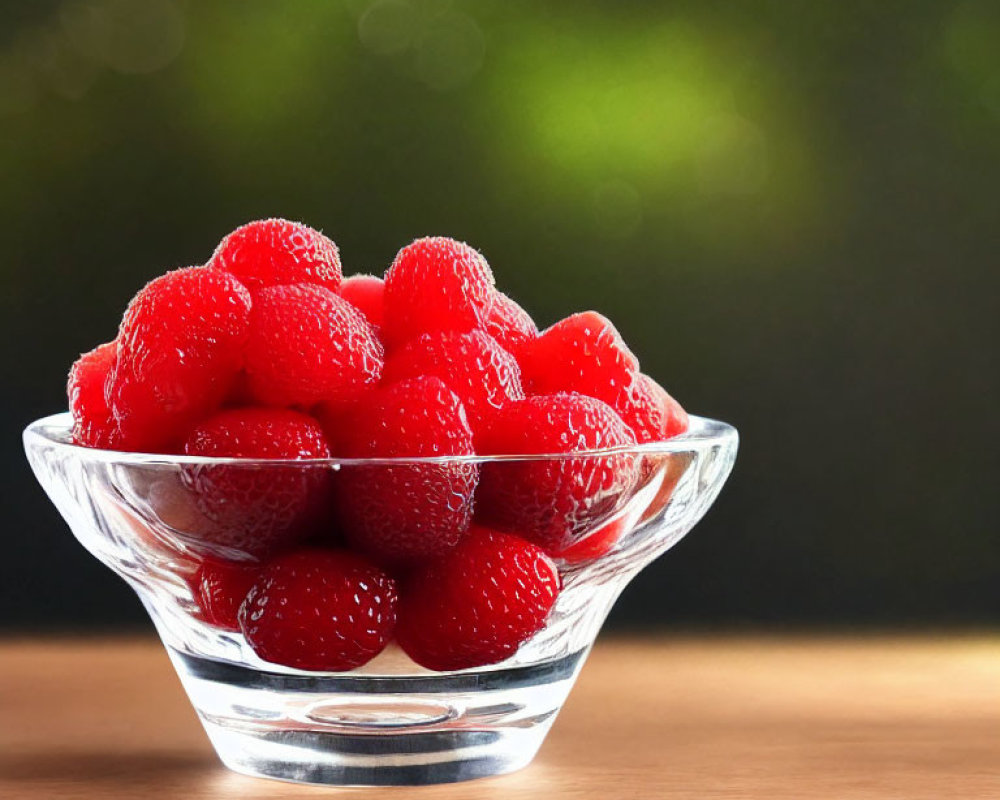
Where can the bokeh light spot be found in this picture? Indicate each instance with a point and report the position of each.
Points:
(388, 26)
(60, 67)
(639, 103)
(450, 51)
(688, 117)
(130, 37)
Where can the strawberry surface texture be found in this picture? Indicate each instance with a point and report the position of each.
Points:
(306, 345)
(483, 375)
(252, 508)
(407, 511)
(93, 423)
(325, 610)
(220, 588)
(436, 284)
(478, 604)
(554, 502)
(180, 348)
(274, 252)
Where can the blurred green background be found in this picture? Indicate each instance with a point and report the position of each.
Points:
(790, 210)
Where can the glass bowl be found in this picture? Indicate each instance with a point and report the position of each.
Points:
(390, 721)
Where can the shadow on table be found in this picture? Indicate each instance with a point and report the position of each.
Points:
(101, 767)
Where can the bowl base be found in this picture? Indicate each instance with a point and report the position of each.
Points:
(376, 730)
(411, 759)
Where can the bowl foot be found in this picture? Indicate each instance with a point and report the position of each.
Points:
(366, 730)
(410, 759)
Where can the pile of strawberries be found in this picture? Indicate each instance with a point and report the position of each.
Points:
(267, 352)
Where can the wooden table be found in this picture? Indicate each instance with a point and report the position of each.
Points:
(878, 717)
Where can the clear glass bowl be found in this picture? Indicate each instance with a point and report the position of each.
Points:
(391, 721)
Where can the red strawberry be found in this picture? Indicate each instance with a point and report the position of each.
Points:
(436, 284)
(93, 423)
(180, 347)
(307, 345)
(557, 501)
(478, 604)
(326, 610)
(595, 545)
(258, 433)
(219, 588)
(273, 252)
(366, 293)
(483, 375)
(250, 508)
(583, 353)
(510, 324)
(673, 467)
(651, 413)
(676, 420)
(405, 512)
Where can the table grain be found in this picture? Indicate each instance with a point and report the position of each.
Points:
(709, 717)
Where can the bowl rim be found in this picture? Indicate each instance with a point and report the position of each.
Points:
(55, 430)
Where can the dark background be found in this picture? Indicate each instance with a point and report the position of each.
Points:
(790, 210)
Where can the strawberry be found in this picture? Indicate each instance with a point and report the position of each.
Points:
(367, 294)
(555, 502)
(436, 284)
(510, 324)
(326, 610)
(93, 423)
(250, 508)
(583, 353)
(219, 588)
(483, 375)
(180, 349)
(406, 512)
(307, 345)
(275, 252)
(477, 604)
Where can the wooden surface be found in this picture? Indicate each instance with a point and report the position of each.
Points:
(880, 717)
